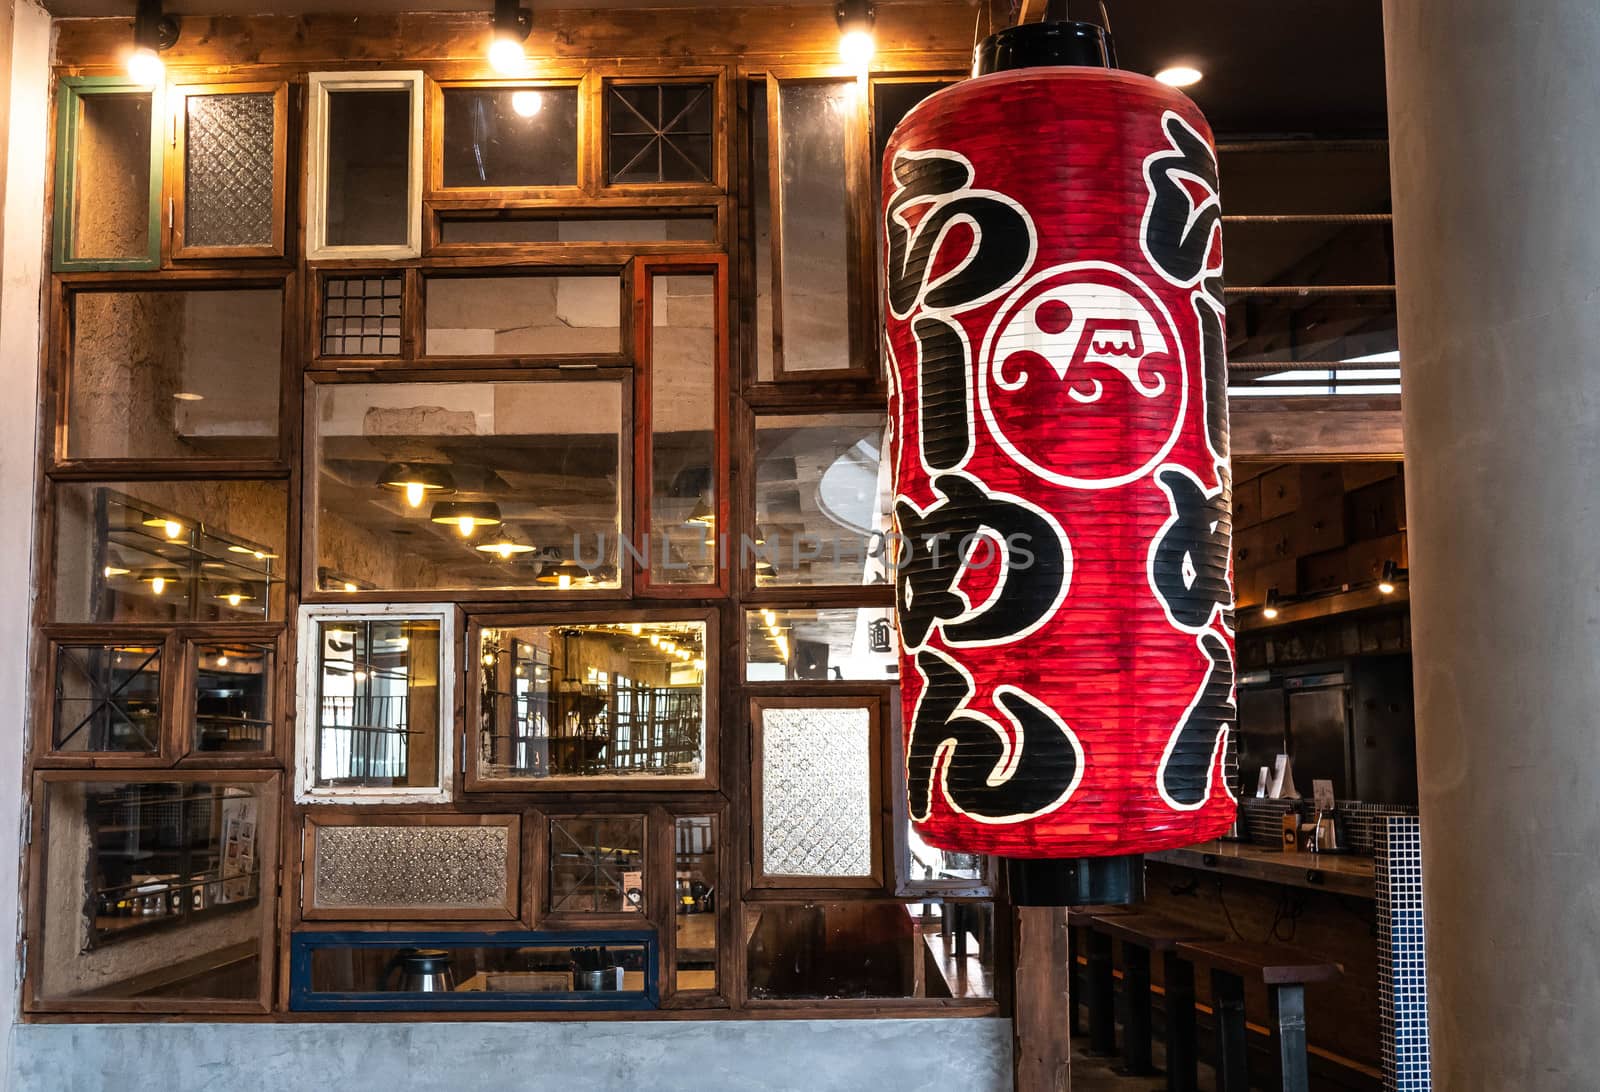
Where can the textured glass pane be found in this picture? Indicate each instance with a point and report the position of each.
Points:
(503, 136)
(369, 168)
(816, 792)
(111, 177)
(814, 216)
(405, 867)
(108, 698)
(228, 183)
(660, 133)
(684, 533)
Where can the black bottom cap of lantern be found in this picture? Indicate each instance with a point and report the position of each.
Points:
(1076, 881)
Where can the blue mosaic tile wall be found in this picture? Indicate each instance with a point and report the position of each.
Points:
(1402, 960)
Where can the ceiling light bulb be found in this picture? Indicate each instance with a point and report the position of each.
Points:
(769, 616)
(669, 646)
(856, 47)
(114, 570)
(349, 586)
(1179, 75)
(158, 584)
(564, 580)
(699, 665)
(1269, 612)
(465, 525)
(145, 67)
(526, 103)
(222, 661)
(234, 599)
(636, 629)
(506, 56)
(414, 493)
(188, 396)
(1385, 587)
(173, 528)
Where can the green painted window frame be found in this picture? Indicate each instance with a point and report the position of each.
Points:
(69, 92)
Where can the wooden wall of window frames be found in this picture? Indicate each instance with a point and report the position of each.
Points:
(577, 47)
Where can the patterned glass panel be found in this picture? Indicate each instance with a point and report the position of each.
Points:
(411, 866)
(228, 175)
(660, 133)
(816, 785)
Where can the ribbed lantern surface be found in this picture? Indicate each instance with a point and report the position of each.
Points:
(1060, 445)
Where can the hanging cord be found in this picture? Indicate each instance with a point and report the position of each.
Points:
(1105, 17)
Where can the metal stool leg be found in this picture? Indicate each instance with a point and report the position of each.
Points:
(1289, 1028)
(1102, 1018)
(1136, 1011)
(1182, 1059)
(1233, 1058)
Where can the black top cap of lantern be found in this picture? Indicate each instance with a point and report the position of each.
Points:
(1036, 45)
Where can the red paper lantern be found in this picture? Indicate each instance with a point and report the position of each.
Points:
(1060, 445)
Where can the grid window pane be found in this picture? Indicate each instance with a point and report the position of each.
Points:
(361, 316)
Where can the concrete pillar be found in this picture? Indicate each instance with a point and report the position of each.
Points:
(1495, 133)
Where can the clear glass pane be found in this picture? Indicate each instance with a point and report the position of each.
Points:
(111, 195)
(377, 702)
(436, 974)
(468, 485)
(363, 316)
(785, 643)
(228, 182)
(595, 700)
(814, 215)
(368, 167)
(233, 697)
(163, 375)
(1309, 253)
(1280, 178)
(519, 228)
(108, 698)
(822, 501)
(695, 869)
(684, 534)
(524, 316)
(816, 791)
(152, 890)
(861, 949)
(510, 137)
(761, 229)
(1351, 328)
(660, 133)
(191, 551)
(597, 865)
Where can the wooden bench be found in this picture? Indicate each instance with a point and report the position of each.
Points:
(1098, 985)
(1140, 935)
(1286, 972)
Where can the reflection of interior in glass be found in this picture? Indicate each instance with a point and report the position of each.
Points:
(509, 137)
(107, 698)
(148, 890)
(233, 697)
(368, 145)
(816, 791)
(377, 702)
(508, 227)
(468, 485)
(111, 195)
(473, 970)
(595, 700)
(684, 535)
(822, 501)
(695, 871)
(830, 643)
(870, 949)
(536, 315)
(814, 219)
(597, 865)
(929, 864)
(169, 552)
(162, 375)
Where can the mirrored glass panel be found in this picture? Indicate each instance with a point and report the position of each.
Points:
(167, 551)
(153, 890)
(593, 701)
(468, 485)
(510, 137)
(111, 192)
(107, 698)
(695, 851)
(520, 227)
(171, 375)
(814, 223)
(597, 865)
(684, 533)
(229, 184)
(822, 501)
(529, 316)
(233, 707)
(377, 702)
(789, 643)
(368, 147)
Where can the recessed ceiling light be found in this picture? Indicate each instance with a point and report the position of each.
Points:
(1180, 75)
(189, 396)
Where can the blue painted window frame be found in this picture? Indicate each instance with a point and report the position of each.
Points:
(302, 998)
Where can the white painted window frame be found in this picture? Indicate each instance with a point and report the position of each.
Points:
(323, 84)
(312, 616)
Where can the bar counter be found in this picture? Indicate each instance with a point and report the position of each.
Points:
(1340, 873)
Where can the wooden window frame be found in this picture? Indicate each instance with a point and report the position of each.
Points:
(267, 825)
(70, 91)
(720, 80)
(508, 910)
(646, 270)
(664, 842)
(177, 172)
(861, 234)
(438, 194)
(321, 86)
(477, 781)
(788, 887)
(668, 207)
(58, 395)
(309, 620)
